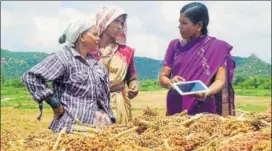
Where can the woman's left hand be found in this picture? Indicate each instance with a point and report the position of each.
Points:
(133, 89)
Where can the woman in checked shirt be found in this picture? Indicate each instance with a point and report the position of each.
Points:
(80, 83)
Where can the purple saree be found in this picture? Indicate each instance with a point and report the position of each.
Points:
(200, 59)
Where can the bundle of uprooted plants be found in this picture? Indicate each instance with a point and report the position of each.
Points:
(181, 132)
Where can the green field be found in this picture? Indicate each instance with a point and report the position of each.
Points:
(253, 92)
(19, 98)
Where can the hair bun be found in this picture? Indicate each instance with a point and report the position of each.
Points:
(62, 39)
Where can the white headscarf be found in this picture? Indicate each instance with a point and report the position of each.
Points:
(74, 29)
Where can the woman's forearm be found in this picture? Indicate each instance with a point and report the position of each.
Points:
(131, 78)
(216, 87)
(219, 82)
(164, 78)
(165, 82)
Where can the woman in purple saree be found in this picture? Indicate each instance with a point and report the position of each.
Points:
(197, 56)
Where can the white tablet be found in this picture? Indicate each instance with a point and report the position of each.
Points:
(190, 87)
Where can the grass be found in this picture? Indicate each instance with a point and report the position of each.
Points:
(19, 98)
(253, 92)
(253, 108)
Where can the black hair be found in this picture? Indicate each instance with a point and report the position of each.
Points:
(197, 13)
(62, 39)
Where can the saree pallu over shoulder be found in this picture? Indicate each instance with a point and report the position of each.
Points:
(118, 64)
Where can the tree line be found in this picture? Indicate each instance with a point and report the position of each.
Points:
(240, 82)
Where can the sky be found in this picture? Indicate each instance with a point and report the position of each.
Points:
(35, 26)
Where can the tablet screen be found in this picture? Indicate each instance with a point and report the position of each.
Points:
(191, 87)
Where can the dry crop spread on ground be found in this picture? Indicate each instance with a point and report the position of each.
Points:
(202, 132)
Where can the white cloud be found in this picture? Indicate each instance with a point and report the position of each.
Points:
(41, 30)
(135, 25)
(6, 19)
(148, 45)
(37, 30)
(245, 25)
(170, 9)
(39, 7)
(36, 26)
(48, 29)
